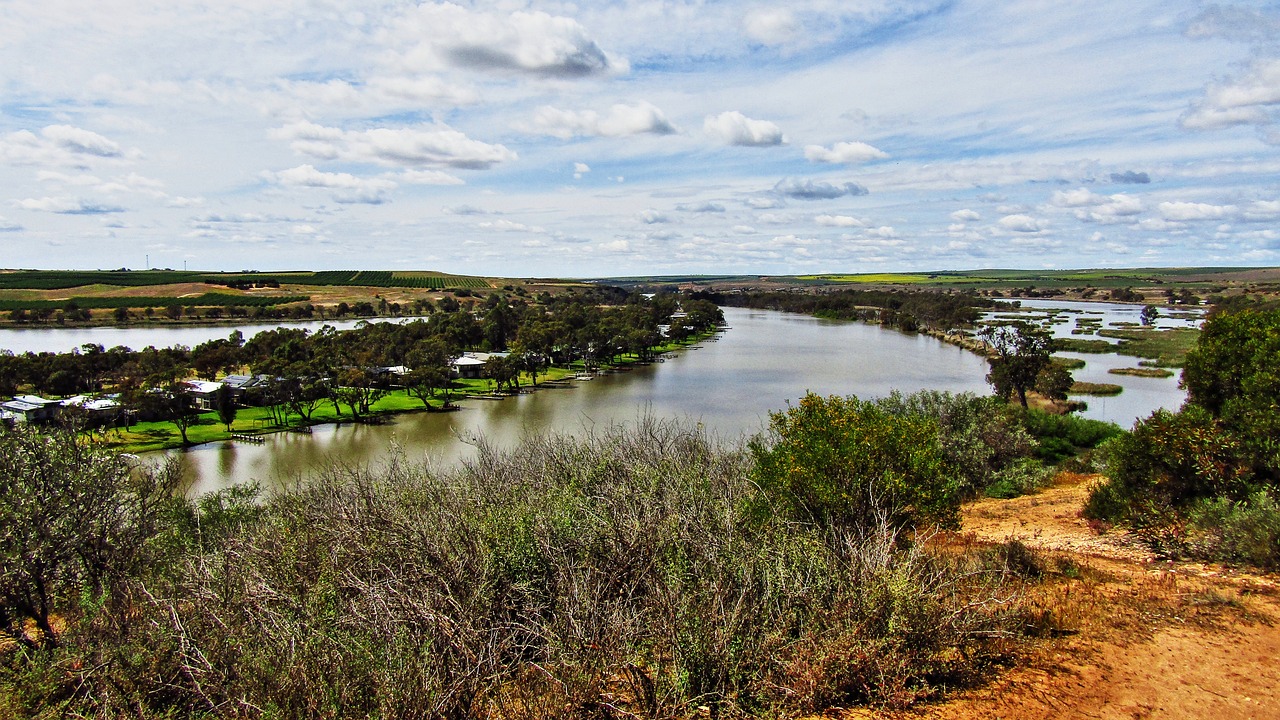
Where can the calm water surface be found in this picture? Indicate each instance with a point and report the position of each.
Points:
(65, 339)
(730, 385)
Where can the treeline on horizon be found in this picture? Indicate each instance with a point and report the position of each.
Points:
(63, 279)
(904, 309)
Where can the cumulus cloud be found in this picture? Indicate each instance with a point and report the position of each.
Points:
(771, 26)
(437, 35)
(1189, 211)
(347, 187)
(7, 226)
(706, 207)
(62, 145)
(735, 128)
(1022, 223)
(580, 169)
(1252, 99)
(621, 120)
(67, 206)
(849, 153)
(402, 147)
(839, 221)
(965, 215)
(510, 226)
(1129, 177)
(816, 189)
(651, 217)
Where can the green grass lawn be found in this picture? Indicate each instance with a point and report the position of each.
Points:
(163, 435)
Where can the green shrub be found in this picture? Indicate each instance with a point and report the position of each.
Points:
(1246, 531)
(1024, 476)
(844, 461)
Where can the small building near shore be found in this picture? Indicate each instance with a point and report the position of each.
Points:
(201, 392)
(31, 408)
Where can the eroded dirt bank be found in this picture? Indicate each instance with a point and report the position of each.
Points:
(1141, 638)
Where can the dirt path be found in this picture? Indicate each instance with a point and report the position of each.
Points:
(1149, 639)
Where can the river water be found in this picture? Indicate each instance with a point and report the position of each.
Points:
(730, 385)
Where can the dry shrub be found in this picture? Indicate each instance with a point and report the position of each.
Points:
(618, 575)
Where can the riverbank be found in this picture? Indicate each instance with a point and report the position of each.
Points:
(255, 423)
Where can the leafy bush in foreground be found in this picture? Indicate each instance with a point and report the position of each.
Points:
(1201, 482)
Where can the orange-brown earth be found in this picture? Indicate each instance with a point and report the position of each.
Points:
(1142, 638)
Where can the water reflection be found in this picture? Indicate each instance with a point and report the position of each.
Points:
(730, 385)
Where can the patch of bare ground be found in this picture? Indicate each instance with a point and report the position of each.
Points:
(1130, 636)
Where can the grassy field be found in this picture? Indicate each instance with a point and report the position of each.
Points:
(163, 435)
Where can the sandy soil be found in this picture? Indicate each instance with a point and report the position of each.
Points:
(1145, 638)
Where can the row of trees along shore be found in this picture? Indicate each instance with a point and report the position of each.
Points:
(305, 369)
(903, 309)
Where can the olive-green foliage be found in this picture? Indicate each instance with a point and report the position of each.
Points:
(613, 575)
(1213, 457)
(1062, 436)
(1245, 531)
(1171, 460)
(75, 526)
(982, 437)
(844, 461)
(1234, 373)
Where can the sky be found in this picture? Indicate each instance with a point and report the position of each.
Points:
(638, 137)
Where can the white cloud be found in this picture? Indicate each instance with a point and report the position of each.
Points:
(816, 189)
(348, 188)
(839, 221)
(771, 26)
(620, 121)
(60, 145)
(706, 207)
(849, 153)
(7, 226)
(1022, 223)
(580, 169)
(1189, 211)
(1251, 99)
(433, 36)
(510, 226)
(404, 147)
(965, 215)
(651, 217)
(67, 206)
(735, 128)
(1092, 207)
(1081, 197)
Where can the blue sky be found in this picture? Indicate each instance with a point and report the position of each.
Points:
(638, 137)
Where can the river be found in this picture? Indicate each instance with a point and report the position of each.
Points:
(729, 384)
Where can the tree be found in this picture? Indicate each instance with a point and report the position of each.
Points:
(1020, 352)
(1054, 381)
(504, 371)
(1149, 314)
(1234, 373)
(224, 403)
(429, 371)
(75, 525)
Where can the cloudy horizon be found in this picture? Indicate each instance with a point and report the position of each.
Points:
(638, 137)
